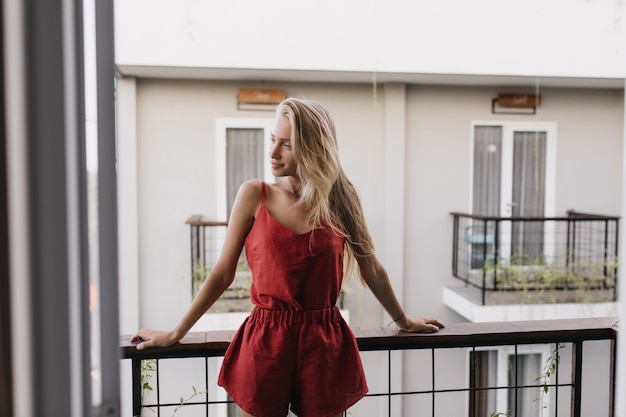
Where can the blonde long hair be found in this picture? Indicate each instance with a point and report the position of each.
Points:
(329, 197)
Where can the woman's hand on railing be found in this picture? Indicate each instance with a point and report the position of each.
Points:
(152, 338)
(420, 325)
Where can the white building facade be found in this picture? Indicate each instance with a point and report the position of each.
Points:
(407, 82)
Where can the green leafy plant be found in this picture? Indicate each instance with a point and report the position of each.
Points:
(198, 276)
(549, 369)
(539, 280)
(184, 400)
(237, 296)
(148, 368)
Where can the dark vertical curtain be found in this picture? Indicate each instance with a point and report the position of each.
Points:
(529, 179)
(482, 401)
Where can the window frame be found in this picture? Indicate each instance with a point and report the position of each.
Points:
(222, 124)
(503, 353)
(508, 128)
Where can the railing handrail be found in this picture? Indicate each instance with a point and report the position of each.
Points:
(572, 215)
(577, 214)
(198, 220)
(215, 343)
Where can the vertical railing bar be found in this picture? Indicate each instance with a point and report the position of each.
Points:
(196, 246)
(515, 376)
(455, 246)
(432, 354)
(484, 260)
(389, 382)
(203, 246)
(158, 388)
(136, 375)
(606, 252)
(191, 251)
(574, 240)
(577, 386)
(473, 379)
(615, 260)
(613, 370)
(590, 241)
(206, 383)
(556, 380)
(496, 253)
(568, 243)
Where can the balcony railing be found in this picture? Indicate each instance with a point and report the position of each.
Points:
(556, 259)
(445, 373)
(205, 241)
(206, 238)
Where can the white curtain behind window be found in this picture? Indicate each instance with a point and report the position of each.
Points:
(486, 191)
(244, 159)
(529, 189)
(528, 399)
(487, 166)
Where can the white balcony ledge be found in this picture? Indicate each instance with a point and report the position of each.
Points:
(465, 302)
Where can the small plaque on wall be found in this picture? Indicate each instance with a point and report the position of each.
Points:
(259, 98)
(516, 103)
(518, 100)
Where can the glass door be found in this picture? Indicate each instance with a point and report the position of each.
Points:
(512, 176)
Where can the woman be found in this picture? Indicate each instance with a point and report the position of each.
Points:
(295, 350)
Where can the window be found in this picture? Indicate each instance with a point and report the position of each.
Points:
(242, 149)
(505, 381)
(513, 174)
(244, 159)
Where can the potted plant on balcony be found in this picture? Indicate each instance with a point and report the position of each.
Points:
(539, 280)
(237, 297)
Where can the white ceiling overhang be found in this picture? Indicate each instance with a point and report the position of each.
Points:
(282, 75)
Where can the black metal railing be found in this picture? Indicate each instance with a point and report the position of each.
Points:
(205, 242)
(206, 239)
(560, 259)
(455, 384)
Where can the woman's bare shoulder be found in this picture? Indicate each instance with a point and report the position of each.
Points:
(248, 200)
(251, 187)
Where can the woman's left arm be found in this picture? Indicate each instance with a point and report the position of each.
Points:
(377, 279)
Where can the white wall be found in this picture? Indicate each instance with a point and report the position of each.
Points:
(562, 38)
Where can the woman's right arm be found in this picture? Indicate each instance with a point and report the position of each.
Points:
(245, 208)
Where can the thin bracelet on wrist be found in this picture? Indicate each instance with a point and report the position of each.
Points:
(396, 320)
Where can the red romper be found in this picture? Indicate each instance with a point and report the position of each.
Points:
(294, 348)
